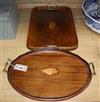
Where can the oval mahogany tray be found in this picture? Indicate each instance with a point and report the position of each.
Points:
(51, 75)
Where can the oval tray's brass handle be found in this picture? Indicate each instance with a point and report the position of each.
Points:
(8, 62)
(93, 68)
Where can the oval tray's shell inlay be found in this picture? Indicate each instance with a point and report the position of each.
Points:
(51, 75)
(49, 71)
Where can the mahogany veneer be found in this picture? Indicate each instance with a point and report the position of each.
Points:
(52, 75)
(52, 26)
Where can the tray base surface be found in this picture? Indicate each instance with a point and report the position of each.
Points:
(52, 27)
(51, 75)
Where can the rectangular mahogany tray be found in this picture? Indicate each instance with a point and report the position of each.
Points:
(52, 26)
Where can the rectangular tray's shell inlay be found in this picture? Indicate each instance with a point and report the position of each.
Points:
(52, 25)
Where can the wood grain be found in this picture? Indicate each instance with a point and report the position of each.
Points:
(89, 49)
(52, 26)
(72, 77)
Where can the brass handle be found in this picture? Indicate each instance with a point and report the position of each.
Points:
(8, 62)
(51, 6)
(93, 68)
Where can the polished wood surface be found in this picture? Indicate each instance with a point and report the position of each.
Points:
(89, 49)
(51, 75)
(52, 26)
